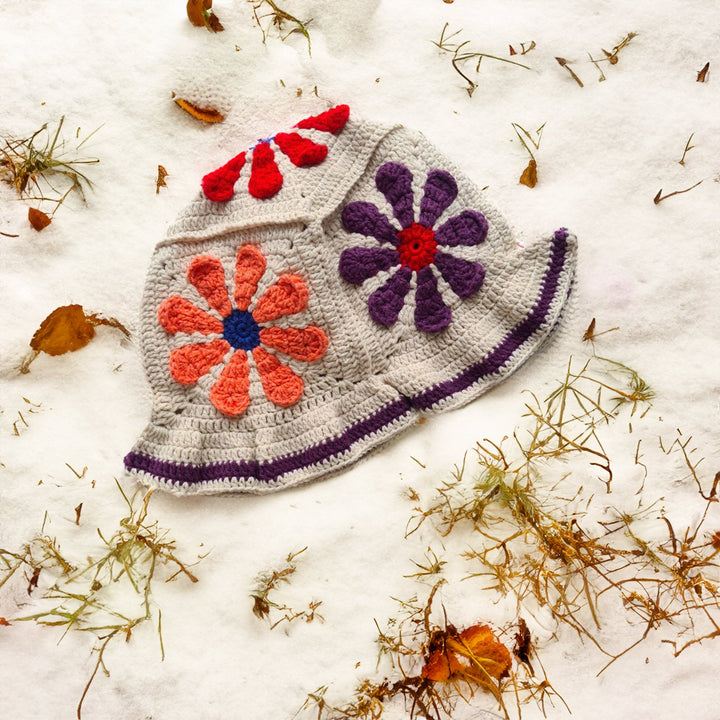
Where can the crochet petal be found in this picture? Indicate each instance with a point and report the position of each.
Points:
(265, 178)
(331, 121)
(468, 228)
(230, 394)
(207, 275)
(394, 181)
(219, 185)
(306, 344)
(359, 263)
(281, 385)
(301, 151)
(464, 277)
(386, 302)
(431, 313)
(176, 314)
(249, 268)
(190, 362)
(289, 295)
(364, 218)
(439, 192)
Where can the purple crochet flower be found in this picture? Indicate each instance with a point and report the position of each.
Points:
(415, 248)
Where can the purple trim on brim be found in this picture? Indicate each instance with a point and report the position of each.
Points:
(270, 470)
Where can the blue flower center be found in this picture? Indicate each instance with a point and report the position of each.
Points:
(241, 330)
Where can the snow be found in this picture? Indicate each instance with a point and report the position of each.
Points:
(652, 270)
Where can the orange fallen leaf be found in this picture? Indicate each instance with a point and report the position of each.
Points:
(441, 665)
(208, 115)
(38, 219)
(487, 657)
(529, 176)
(474, 654)
(200, 14)
(4, 622)
(195, 14)
(66, 329)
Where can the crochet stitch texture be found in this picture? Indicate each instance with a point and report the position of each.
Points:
(312, 303)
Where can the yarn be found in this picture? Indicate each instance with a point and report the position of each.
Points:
(242, 331)
(176, 314)
(265, 177)
(190, 362)
(417, 245)
(266, 180)
(329, 286)
(219, 185)
(301, 151)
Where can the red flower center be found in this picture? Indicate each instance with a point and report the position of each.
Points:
(417, 246)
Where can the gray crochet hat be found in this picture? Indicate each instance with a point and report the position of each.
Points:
(327, 288)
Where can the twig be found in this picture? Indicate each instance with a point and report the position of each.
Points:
(688, 148)
(458, 56)
(564, 63)
(660, 197)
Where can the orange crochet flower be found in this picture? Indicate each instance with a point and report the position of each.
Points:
(241, 332)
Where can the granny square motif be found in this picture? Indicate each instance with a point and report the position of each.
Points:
(328, 287)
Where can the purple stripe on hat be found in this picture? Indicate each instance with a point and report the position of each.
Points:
(270, 470)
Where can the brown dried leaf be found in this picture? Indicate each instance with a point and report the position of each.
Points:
(38, 219)
(213, 23)
(590, 332)
(702, 75)
(208, 115)
(67, 329)
(162, 174)
(64, 329)
(261, 607)
(529, 176)
(523, 643)
(33, 580)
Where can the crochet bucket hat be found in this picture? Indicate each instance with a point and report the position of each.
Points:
(327, 288)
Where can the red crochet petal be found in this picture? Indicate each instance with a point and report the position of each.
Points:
(281, 385)
(301, 151)
(306, 344)
(249, 268)
(219, 185)
(289, 295)
(176, 314)
(190, 362)
(265, 178)
(331, 121)
(207, 275)
(230, 394)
